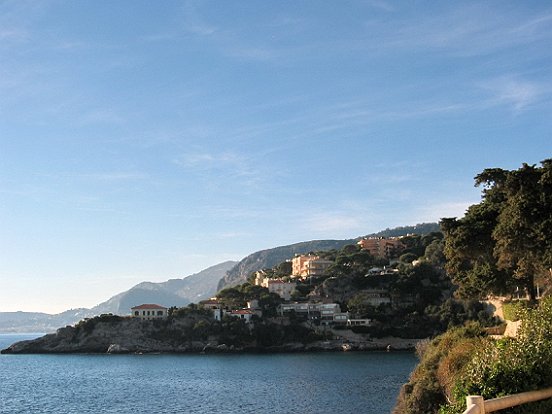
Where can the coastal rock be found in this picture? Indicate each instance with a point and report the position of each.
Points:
(117, 349)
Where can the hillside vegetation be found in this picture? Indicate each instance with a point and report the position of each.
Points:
(272, 257)
(466, 361)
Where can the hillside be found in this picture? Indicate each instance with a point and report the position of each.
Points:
(174, 292)
(271, 257)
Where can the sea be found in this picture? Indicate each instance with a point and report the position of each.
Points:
(317, 383)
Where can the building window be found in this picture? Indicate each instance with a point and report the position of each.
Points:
(159, 313)
(136, 313)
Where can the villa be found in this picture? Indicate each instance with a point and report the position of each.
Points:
(149, 311)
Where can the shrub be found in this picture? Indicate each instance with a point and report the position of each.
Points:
(442, 358)
(511, 365)
(514, 310)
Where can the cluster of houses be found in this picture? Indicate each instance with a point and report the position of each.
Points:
(302, 267)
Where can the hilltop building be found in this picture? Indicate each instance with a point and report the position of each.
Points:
(278, 286)
(382, 247)
(149, 311)
(309, 265)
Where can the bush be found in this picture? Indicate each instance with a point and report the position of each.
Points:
(511, 365)
(429, 385)
(514, 310)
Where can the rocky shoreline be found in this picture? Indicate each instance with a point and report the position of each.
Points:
(132, 336)
(46, 346)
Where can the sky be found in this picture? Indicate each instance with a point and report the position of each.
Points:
(143, 141)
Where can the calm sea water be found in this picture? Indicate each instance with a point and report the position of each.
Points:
(283, 383)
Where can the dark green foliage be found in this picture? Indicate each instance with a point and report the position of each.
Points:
(192, 310)
(271, 257)
(89, 324)
(505, 240)
(407, 257)
(422, 228)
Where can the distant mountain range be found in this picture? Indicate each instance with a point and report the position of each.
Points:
(174, 292)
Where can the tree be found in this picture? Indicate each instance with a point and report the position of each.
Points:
(505, 240)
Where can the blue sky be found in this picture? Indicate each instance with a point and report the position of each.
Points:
(148, 140)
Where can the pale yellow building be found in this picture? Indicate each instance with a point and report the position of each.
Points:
(309, 265)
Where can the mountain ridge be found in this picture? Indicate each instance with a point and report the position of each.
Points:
(173, 292)
(268, 258)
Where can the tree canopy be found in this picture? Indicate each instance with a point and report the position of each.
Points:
(505, 240)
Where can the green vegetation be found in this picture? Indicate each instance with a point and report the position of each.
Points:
(513, 311)
(501, 243)
(464, 361)
(506, 240)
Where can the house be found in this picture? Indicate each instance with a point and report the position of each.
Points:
(312, 311)
(281, 288)
(378, 271)
(309, 265)
(359, 322)
(278, 286)
(375, 297)
(149, 311)
(340, 318)
(212, 303)
(244, 314)
(382, 247)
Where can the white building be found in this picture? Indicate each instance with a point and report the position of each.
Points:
(149, 311)
(281, 288)
(244, 314)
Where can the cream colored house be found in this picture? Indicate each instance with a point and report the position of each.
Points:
(149, 311)
(281, 288)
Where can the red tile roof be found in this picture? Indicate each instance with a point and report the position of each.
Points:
(242, 312)
(149, 306)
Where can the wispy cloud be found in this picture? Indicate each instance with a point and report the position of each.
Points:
(465, 30)
(224, 168)
(511, 91)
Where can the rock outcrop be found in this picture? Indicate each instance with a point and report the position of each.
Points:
(122, 335)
